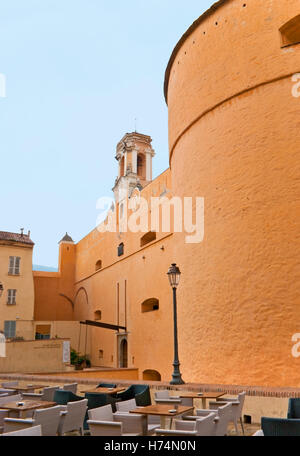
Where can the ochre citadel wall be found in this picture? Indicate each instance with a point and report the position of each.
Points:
(234, 130)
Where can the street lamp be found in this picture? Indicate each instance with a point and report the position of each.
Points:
(174, 277)
(1, 289)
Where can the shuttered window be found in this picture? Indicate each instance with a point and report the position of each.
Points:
(14, 265)
(11, 297)
(9, 329)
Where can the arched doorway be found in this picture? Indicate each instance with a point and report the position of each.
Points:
(123, 353)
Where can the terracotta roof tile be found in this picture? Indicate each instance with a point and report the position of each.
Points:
(15, 237)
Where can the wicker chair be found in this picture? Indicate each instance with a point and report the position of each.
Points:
(62, 397)
(73, 417)
(294, 408)
(46, 395)
(48, 418)
(141, 393)
(280, 427)
(33, 431)
(106, 385)
(202, 426)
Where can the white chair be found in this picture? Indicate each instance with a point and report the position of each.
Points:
(71, 387)
(152, 422)
(222, 418)
(48, 418)
(34, 431)
(46, 395)
(163, 397)
(8, 392)
(72, 417)
(236, 409)
(259, 433)
(101, 418)
(202, 426)
(10, 384)
(5, 413)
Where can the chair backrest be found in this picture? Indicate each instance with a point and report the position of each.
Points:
(164, 394)
(71, 387)
(49, 419)
(105, 428)
(241, 399)
(3, 394)
(7, 391)
(104, 413)
(9, 384)
(48, 393)
(224, 414)
(280, 427)
(294, 408)
(126, 406)
(6, 399)
(142, 395)
(96, 400)
(62, 397)
(74, 418)
(204, 426)
(35, 430)
(106, 385)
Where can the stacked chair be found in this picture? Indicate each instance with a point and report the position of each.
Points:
(103, 422)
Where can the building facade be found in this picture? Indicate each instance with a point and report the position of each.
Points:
(233, 100)
(17, 300)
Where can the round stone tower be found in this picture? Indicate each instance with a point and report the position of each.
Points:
(233, 93)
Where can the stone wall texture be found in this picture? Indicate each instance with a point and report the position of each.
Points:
(234, 131)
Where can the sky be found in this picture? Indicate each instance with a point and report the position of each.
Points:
(78, 73)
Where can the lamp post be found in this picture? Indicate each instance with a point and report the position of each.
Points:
(1, 289)
(174, 277)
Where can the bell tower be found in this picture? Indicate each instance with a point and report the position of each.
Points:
(134, 155)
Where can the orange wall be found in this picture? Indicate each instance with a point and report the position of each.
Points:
(49, 286)
(234, 140)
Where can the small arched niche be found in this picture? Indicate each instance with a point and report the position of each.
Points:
(150, 305)
(141, 166)
(148, 237)
(290, 32)
(151, 375)
(97, 315)
(98, 265)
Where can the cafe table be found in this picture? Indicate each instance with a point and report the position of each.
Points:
(27, 406)
(104, 390)
(28, 388)
(164, 411)
(203, 396)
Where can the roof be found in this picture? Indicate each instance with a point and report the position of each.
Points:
(66, 238)
(189, 31)
(15, 237)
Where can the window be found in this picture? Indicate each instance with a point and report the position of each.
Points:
(98, 265)
(14, 265)
(290, 32)
(121, 249)
(148, 237)
(42, 332)
(9, 329)
(150, 305)
(98, 315)
(11, 297)
(101, 354)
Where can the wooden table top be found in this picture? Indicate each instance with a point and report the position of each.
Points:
(28, 405)
(105, 390)
(162, 410)
(205, 395)
(29, 387)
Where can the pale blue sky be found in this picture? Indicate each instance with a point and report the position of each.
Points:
(78, 72)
